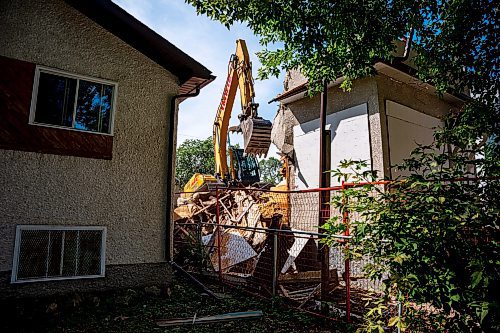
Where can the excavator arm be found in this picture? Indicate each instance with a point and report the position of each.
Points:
(221, 123)
(256, 131)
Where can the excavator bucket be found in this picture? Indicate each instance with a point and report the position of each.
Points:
(256, 135)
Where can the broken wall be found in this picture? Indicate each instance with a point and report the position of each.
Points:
(303, 113)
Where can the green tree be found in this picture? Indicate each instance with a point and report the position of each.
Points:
(328, 39)
(194, 156)
(270, 170)
(433, 239)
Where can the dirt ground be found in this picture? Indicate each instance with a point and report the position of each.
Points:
(135, 310)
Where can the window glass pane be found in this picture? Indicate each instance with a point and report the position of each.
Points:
(55, 100)
(93, 107)
(107, 105)
(70, 252)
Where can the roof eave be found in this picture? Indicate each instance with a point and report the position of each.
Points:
(294, 94)
(136, 34)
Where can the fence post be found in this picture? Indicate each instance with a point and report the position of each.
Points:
(217, 219)
(275, 261)
(324, 210)
(400, 310)
(199, 236)
(324, 253)
(347, 267)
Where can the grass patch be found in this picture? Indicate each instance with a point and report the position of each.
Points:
(135, 310)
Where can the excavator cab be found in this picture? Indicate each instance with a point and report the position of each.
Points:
(246, 167)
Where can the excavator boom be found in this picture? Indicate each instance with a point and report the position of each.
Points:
(243, 167)
(256, 131)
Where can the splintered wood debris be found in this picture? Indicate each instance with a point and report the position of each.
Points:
(209, 319)
(246, 251)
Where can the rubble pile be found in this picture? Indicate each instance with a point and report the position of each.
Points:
(247, 250)
(251, 212)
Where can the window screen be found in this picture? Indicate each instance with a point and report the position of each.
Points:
(58, 253)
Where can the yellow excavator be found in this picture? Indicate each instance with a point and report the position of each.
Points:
(242, 167)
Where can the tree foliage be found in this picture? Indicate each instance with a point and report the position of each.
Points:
(433, 239)
(270, 170)
(457, 41)
(194, 156)
(456, 44)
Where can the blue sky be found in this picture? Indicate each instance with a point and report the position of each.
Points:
(211, 44)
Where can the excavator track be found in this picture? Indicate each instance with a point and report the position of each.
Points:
(256, 136)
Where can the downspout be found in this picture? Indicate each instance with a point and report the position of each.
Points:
(170, 172)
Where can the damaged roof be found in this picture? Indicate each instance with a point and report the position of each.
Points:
(117, 21)
(398, 69)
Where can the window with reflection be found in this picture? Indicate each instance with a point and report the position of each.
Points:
(66, 100)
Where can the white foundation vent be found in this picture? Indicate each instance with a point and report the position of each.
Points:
(44, 253)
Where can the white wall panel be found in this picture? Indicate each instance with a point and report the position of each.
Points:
(350, 140)
(407, 129)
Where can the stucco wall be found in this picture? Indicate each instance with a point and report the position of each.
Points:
(414, 96)
(127, 193)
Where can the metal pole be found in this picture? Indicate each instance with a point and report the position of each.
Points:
(347, 266)
(199, 235)
(324, 181)
(275, 261)
(272, 229)
(322, 140)
(217, 216)
(400, 311)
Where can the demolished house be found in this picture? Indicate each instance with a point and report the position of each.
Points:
(381, 120)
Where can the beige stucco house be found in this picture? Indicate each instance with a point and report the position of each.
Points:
(381, 120)
(88, 105)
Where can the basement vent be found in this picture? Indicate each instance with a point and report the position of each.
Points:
(56, 253)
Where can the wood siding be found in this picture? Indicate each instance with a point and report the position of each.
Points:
(16, 84)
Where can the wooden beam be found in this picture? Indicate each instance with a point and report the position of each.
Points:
(209, 319)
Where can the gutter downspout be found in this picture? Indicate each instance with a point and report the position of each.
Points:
(170, 173)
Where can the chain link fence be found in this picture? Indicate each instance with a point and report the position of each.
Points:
(270, 243)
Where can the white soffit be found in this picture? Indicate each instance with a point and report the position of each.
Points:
(302, 95)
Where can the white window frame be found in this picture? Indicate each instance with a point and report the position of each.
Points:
(77, 77)
(17, 247)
